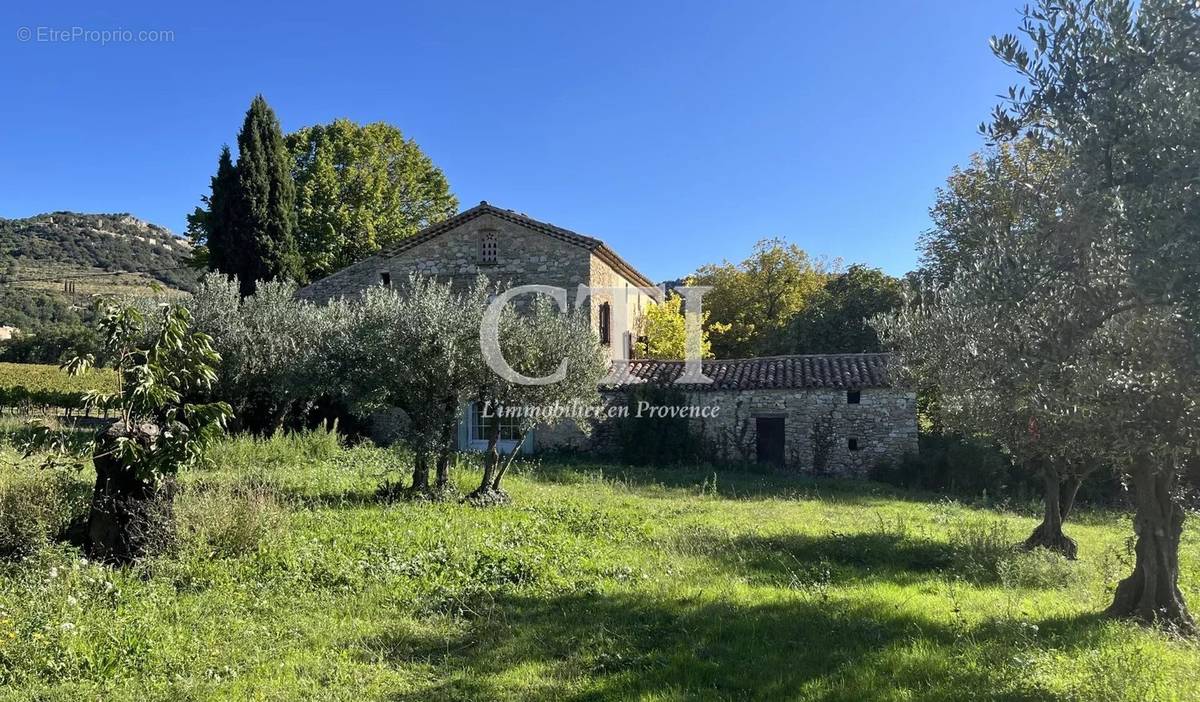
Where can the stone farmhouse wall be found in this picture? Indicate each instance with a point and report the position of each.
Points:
(523, 257)
(634, 300)
(884, 425)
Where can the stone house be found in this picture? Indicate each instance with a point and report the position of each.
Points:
(767, 408)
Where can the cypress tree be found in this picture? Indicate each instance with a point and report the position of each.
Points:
(219, 218)
(264, 204)
(210, 225)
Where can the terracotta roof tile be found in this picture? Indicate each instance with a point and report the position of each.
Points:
(821, 371)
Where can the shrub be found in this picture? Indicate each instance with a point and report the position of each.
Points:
(36, 508)
(659, 441)
(980, 545)
(957, 465)
(51, 343)
(1038, 568)
(270, 365)
(228, 521)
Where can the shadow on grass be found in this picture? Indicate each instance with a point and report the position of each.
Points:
(600, 647)
(806, 560)
(732, 484)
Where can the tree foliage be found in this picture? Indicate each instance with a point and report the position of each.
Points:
(415, 348)
(271, 370)
(662, 331)
(837, 318)
(1116, 88)
(359, 188)
(161, 366)
(758, 297)
(1069, 325)
(246, 227)
(534, 344)
(1009, 188)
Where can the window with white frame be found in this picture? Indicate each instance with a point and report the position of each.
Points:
(481, 426)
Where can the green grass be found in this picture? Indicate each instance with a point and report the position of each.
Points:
(289, 580)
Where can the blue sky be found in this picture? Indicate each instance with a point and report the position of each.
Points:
(680, 133)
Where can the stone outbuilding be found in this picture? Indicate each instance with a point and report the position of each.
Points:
(831, 413)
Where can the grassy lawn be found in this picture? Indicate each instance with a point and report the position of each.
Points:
(290, 580)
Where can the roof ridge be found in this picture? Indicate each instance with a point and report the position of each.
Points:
(786, 372)
(839, 354)
(590, 243)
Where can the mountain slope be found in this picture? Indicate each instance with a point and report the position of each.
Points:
(51, 264)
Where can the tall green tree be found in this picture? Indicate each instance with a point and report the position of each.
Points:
(264, 203)
(210, 227)
(758, 297)
(359, 188)
(836, 320)
(1007, 189)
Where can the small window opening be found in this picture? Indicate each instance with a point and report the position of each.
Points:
(605, 323)
(385, 279)
(488, 246)
(853, 397)
(852, 444)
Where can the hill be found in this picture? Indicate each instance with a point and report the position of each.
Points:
(50, 264)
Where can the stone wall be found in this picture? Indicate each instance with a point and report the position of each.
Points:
(633, 300)
(523, 257)
(884, 425)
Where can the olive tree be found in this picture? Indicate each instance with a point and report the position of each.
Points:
(1115, 87)
(538, 344)
(414, 348)
(1000, 341)
(269, 363)
(1014, 283)
(1146, 414)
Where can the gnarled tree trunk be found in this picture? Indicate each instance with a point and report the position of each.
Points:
(129, 515)
(1151, 593)
(486, 493)
(1059, 495)
(420, 477)
(442, 482)
(512, 455)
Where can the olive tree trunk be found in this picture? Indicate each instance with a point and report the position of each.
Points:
(129, 515)
(442, 482)
(1059, 495)
(512, 455)
(486, 493)
(420, 476)
(1151, 593)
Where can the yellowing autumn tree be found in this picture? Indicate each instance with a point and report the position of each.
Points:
(662, 331)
